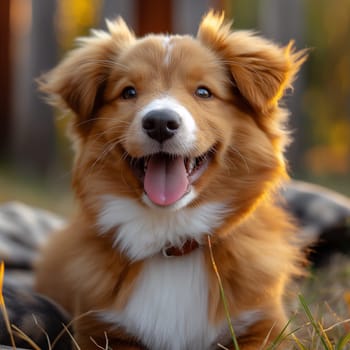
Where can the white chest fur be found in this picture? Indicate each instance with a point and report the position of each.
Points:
(168, 309)
(142, 231)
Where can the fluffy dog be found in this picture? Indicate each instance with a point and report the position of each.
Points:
(179, 143)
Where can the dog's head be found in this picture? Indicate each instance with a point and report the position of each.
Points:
(175, 121)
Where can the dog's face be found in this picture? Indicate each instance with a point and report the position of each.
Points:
(175, 121)
(163, 96)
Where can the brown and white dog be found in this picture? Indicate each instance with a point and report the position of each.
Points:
(177, 139)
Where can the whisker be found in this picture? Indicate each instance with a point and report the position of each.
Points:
(244, 160)
(102, 156)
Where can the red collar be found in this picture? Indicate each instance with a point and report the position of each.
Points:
(188, 246)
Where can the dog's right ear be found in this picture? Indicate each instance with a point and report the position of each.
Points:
(77, 83)
(260, 70)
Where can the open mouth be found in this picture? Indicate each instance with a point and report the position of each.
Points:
(166, 177)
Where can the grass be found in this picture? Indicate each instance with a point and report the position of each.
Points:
(322, 317)
(3, 306)
(223, 296)
(315, 335)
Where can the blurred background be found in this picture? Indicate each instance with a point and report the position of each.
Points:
(35, 156)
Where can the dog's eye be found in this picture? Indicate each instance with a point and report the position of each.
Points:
(203, 92)
(128, 93)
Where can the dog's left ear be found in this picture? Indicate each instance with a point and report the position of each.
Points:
(260, 70)
(77, 83)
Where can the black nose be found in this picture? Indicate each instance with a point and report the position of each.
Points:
(161, 124)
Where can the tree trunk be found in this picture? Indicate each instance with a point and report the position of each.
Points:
(283, 20)
(34, 132)
(5, 83)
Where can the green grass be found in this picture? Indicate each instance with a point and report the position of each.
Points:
(323, 308)
(320, 315)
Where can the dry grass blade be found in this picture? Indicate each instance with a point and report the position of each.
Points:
(71, 336)
(316, 325)
(340, 323)
(26, 338)
(3, 306)
(298, 343)
(223, 296)
(99, 346)
(43, 331)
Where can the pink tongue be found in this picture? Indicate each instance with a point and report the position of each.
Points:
(165, 179)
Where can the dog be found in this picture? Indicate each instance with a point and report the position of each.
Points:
(179, 145)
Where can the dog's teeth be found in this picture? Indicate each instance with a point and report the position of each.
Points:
(145, 163)
(191, 163)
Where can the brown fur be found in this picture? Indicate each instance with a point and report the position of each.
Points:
(254, 248)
